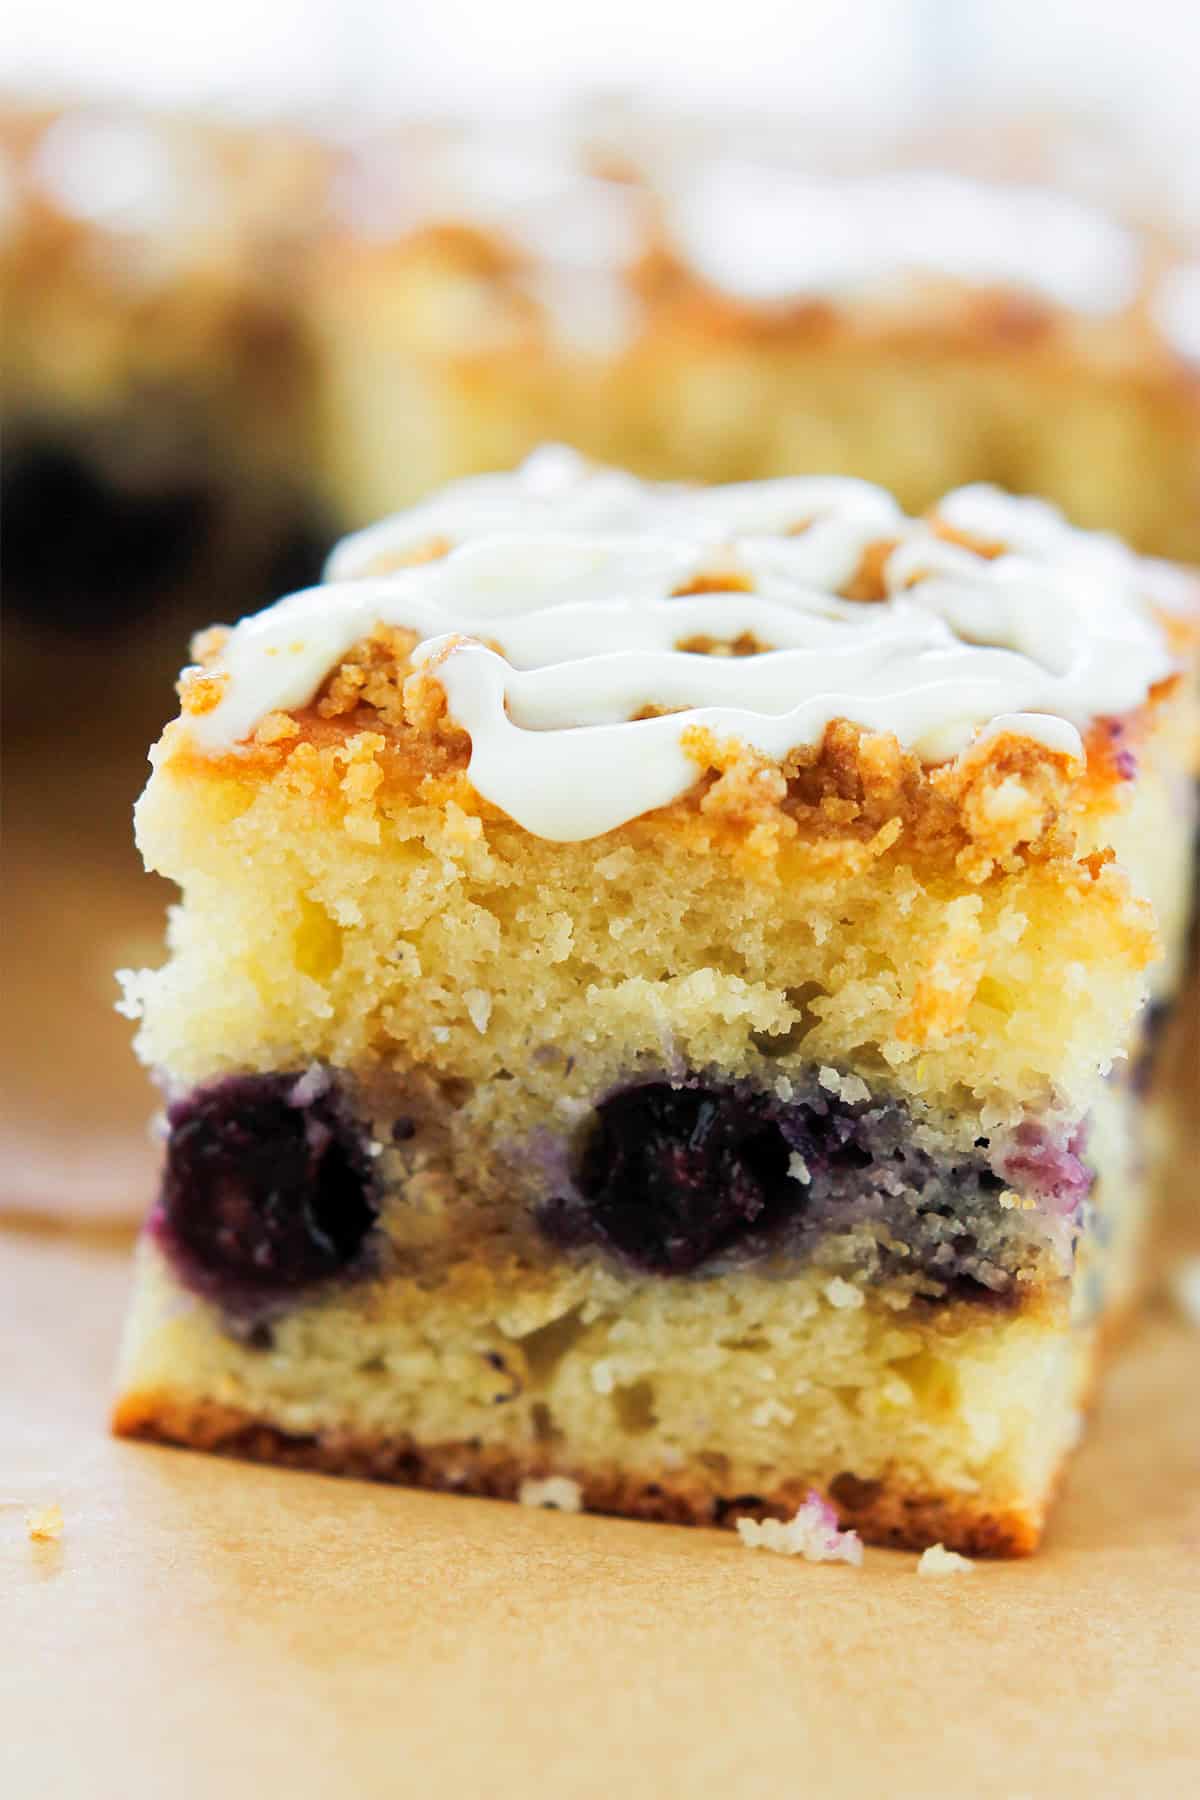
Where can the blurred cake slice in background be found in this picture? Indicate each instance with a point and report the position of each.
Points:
(216, 334)
(153, 378)
(695, 307)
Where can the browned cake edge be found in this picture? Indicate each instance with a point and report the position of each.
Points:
(883, 1512)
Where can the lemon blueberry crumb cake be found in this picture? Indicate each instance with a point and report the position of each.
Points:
(657, 1000)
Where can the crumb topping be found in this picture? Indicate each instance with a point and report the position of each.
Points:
(599, 671)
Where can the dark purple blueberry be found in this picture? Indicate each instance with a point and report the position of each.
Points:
(268, 1189)
(671, 1176)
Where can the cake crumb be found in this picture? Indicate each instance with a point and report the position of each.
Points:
(1183, 1282)
(315, 1082)
(843, 1294)
(937, 1560)
(45, 1523)
(603, 1380)
(479, 1008)
(558, 1492)
(850, 1088)
(813, 1534)
(772, 1412)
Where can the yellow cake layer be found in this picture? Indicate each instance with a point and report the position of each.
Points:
(328, 914)
(707, 1391)
(1116, 450)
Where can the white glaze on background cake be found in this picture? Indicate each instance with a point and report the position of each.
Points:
(153, 190)
(759, 228)
(765, 232)
(574, 574)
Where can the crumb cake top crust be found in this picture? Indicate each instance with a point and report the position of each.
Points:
(586, 629)
(596, 230)
(594, 236)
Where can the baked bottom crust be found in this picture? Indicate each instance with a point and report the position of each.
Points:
(734, 1399)
(887, 1510)
(883, 1511)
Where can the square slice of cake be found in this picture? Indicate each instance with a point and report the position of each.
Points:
(659, 1000)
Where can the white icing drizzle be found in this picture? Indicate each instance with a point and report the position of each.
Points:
(572, 575)
(766, 232)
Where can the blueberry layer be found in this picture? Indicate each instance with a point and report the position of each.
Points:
(268, 1190)
(271, 1189)
(90, 553)
(675, 1177)
(86, 554)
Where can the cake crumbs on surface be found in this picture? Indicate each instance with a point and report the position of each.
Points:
(812, 1533)
(557, 1492)
(1183, 1285)
(45, 1523)
(937, 1560)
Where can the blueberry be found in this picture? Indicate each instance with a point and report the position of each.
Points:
(268, 1189)
(671, 1176)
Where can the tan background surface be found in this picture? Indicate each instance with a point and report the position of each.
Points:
(212, 1629)
(75, 904)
